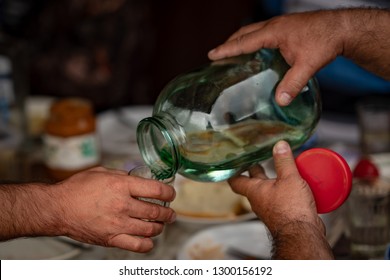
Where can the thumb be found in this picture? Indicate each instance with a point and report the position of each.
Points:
(295, 79)
(284, 160)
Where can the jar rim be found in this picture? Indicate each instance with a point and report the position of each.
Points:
(157, 147)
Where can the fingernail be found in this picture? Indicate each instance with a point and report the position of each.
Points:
(173, 218)
(211, 52)
(285, 98)
(281, 147)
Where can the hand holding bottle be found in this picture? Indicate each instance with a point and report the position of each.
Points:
(283, 199)
(287, 207)
(215, 122)
(295, 39)
(308, 41)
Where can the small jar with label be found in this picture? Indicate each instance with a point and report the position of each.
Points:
(70, 141)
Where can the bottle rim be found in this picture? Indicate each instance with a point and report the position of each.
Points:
(152, 136)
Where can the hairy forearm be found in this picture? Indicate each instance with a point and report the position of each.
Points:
(300, 241)
(367, 40)
(28, 210)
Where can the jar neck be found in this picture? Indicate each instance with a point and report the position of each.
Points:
(158, 139)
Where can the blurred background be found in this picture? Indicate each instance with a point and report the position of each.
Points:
(122, 52)
(114, 52)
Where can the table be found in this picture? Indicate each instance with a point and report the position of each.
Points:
(29, 167)
(26, 165)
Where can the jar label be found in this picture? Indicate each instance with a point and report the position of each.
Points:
(71, 153)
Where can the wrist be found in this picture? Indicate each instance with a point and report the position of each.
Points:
(54, 209)
(284, 222)
(361, 26)
(300, 240)
(36, 211)
(352, 29)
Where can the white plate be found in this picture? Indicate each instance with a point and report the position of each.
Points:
(215, 221)
(117, 129)
(39, 248)
(212, 243)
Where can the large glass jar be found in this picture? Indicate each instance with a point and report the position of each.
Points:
(216, 121)
(70, 140)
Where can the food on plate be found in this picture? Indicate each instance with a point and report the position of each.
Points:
(207, 200)
(207, 250)
(246, 204)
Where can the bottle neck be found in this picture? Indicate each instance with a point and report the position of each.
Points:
(158, 138)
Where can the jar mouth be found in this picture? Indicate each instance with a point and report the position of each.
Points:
(157, 147)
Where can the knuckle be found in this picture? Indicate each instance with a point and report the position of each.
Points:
(283, 163)
(152, 229)
(296, 85)
(120, 205)
(158, 190)
(241, 30)
(239, 42)
(171, 214)
(137, 245)
(149, 230)
(154, 212)
(172, 193)
(292, 179)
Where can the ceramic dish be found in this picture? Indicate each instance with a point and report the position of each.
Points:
(215, 221)
(117, 129)
(249, 238)
(39, 248)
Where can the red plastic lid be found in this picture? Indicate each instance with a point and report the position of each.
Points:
(328, 175)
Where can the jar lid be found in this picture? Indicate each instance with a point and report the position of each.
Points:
(328, 175)
(71, 108)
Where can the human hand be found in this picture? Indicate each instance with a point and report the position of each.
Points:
(308, 41)
(99, 206)
(283, 200)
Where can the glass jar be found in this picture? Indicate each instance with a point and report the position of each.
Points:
(216, 121)
(70, 139)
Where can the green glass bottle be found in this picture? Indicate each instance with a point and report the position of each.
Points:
(216, 121)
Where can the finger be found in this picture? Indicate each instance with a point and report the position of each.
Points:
(132, 243)
(238, 183)
(245, 30)
(295, 79)
(284, 160)
(257, 171)
(105, 170)
(150, 211)
(116, 171)
(141, 227)
(244, 185)
(246, 43)
(149, 188)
